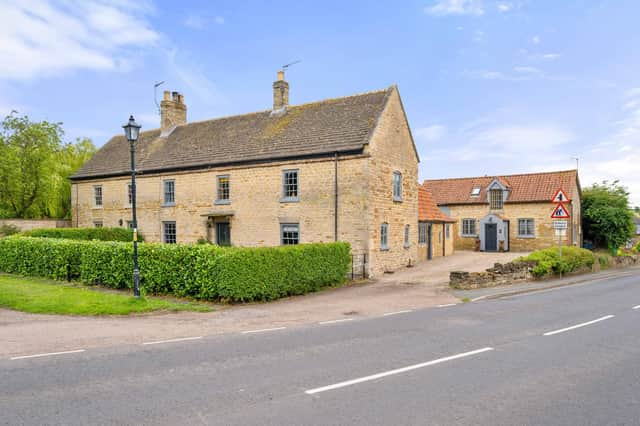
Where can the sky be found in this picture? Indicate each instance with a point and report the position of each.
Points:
(490, 87)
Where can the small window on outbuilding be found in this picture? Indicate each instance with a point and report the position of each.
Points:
(422, 233)
(447, 228)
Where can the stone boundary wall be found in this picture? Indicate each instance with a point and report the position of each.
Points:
(29, 224)
(514, 272)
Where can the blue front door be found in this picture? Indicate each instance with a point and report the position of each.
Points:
(491, 237)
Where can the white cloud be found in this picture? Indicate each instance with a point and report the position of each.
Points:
(633, 92)
(430, 133)
(504, 6)
(535, 39)
(43, 37)
(199, 22)
(455, 7)
(551, 56)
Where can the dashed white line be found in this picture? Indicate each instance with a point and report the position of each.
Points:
(397, 312)
(182, 339)
(396, 371)
(263, 330)
(447, 305)
(479, 298)
(636, 307)
(335, 321)
(573, 327)
(47, 354)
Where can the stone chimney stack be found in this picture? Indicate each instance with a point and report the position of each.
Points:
(173, 112)
(280, 93)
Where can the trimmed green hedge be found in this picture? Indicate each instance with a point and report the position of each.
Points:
(100, 234)
(201, 271)
(549, 262)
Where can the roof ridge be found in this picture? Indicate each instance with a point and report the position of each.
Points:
(499, 176)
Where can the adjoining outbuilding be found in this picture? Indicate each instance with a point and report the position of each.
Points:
(508, 213)
(435, 234)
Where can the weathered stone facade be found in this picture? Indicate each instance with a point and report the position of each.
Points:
(255, 210)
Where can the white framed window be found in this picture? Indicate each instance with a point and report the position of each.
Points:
(97, 224)
(496, 200)
(290, 186)
(289, 234)
(469, 228)
(97, 196)
(384, 236)
(397, 186)
(447, 229)
(223, 189)
(168, 192)
(407, 236)
(169, 232)
(422, 233)
(526, 228)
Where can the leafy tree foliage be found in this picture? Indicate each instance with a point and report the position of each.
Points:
(606, 217)
(35, 166)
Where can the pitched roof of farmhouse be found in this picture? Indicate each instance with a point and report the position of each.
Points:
(428, 211)
(317, 128)
(523, 188)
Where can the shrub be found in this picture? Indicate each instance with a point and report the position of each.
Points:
(51, 258)
(101, 234)
(6, 230)
(549, 262)
(201, 271)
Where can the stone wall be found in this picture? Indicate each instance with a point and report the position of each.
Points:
(500, 274)
(29, 224)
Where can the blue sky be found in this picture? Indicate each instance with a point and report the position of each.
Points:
(490, 86)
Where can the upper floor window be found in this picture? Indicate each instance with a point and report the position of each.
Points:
(407, 236)
(290, 233)
(397, 186)
(496, 199)
(469, 228)
(97, 196)
(422, 233)
(169, 192)
(169, 234)
(290, 185)
(526, 228)
(384, 236)
(223, 190)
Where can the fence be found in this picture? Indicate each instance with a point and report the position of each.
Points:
(358, 266)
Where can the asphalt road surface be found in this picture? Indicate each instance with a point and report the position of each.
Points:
(570, 356)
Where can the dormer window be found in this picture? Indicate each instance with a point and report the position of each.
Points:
(475, 192)
(496, 199)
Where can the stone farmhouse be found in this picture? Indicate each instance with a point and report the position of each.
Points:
(435, 233)
(339, 169)
(508, 213)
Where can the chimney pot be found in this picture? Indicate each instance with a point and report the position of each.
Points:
(280, 92)
(167, 95)
(173, 112)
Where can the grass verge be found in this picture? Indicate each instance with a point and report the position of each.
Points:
(42, 296)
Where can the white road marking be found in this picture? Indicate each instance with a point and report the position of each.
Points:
(636, 307)
(479, 298)
(47, 354)
(396, 371)
(447, 305)
(397, 312)
(335, 321)
(263, 330)
(182, 339)
(573, 327)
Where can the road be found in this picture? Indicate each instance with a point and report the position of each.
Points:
(567, 356)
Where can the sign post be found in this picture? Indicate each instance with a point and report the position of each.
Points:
(560, 213)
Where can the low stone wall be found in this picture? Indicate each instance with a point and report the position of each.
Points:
(500, 274)
(625, 261)
(29, 224)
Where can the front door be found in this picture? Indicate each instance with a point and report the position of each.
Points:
(429, 242)
(223, 234)
(491, 237)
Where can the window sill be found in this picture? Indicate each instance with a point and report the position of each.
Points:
(222, 202)
(168, 204)
(384, 248)
(406, 247)
(397, 200)
(529, 237)
(290, 200)
(97, 207)
(469, 236)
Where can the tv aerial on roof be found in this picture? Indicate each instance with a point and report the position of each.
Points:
(284, 67)
(155, 94)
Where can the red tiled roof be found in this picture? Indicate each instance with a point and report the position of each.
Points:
(531, 187)
(428, 211)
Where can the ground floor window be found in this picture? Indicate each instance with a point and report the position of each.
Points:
(447, 229)
(290, 233)
(130, 224)
(469, 228)
(407, 236)
(384, 236)
(526, 228)
(422, 233)
(169, 232)
(97, 224)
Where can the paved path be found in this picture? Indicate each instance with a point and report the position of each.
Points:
(567, 356)
(411, 288)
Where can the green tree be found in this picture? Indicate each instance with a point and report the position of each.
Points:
(606, 217)
(27, 165)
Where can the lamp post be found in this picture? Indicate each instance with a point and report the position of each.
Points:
(131, 132)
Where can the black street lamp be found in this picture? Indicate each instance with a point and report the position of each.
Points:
(131, 132)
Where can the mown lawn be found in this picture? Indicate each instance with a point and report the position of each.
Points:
(42, 296)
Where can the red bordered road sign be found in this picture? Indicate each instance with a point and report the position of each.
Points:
(560, 197)
(560, 212)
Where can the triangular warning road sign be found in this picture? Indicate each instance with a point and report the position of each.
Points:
(560, 197)
(560, 212)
